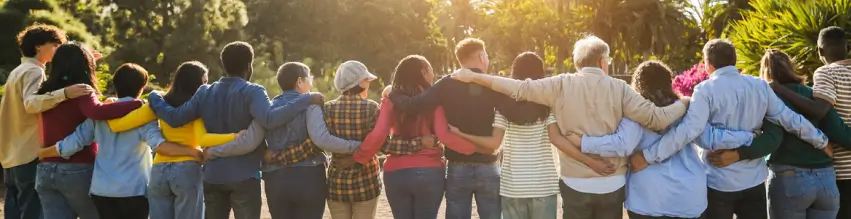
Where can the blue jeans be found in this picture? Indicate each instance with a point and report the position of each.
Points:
(64, 190)
(296, 192)
(521, 208)
(176, 191)
(21, 198)
(803, 193)
(415, 193)
(462, 182)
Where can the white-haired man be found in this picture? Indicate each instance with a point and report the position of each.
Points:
(588, 102)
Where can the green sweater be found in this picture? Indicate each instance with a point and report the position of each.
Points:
(786, 148)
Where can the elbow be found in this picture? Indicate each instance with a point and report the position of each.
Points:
(30, 108)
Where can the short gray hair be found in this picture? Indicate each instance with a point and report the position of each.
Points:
(588, 51)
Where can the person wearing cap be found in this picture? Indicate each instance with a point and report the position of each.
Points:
(352, 189)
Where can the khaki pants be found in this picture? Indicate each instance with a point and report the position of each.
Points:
(353, 210)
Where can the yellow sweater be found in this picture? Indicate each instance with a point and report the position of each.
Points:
(193, 134)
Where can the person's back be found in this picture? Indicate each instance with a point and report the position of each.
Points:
(794, 151)
(227, 107)
(830, 84)
(529, 168)
(470, 108)
(732, 101)
(738, 102)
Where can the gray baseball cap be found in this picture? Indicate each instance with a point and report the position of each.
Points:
(350, 74)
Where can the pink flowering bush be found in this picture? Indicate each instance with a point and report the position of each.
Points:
(684, 83)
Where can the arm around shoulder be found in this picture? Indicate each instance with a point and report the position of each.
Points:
(645, 112)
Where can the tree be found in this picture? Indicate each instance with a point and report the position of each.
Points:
(791, 26)
(18, 14)
(160, 35)
(636, 30)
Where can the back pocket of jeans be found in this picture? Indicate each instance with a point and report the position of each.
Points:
(794, 185)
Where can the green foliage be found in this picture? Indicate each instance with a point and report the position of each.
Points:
(1, 92)
(791, 26)
(18, 14)
(160, 34)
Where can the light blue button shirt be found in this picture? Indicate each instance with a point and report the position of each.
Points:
(123, 161)
(675, 187)
(736, 102)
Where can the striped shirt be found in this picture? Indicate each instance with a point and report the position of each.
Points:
(529, 160)
(832, 83)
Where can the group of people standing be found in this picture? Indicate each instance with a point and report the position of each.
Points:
(513, 144)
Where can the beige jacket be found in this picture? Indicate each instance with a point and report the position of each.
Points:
(20, 134)
(591, 103)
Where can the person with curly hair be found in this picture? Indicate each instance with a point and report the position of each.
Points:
(587, 102)
(736, 102)
(20, 139)
(683, 175)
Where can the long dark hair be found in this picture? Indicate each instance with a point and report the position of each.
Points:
(188, 77)
(776, 66)
(653, 79)
(72, 64)
(409, 80)
(527, 65)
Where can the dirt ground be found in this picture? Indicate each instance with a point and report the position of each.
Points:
(383, 208)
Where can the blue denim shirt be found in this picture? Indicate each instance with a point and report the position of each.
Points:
(733, 101)
(682, 176)
(229, 106)
(307, 124)
(123, 163)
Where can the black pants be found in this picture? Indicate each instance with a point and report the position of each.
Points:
(296, 192)
(633, 215)
(844, 198)
(243, 197)
(578, 205)
(135, 207)
(746, 204)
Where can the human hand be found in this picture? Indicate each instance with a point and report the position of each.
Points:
(685, 100)
(199, 155)
(317, 98)
(110, 100)
(269, 156)
(454, 129)
(386, 92)
(723, 158)
(637, 162)
(239, 134)
(78, 90)
(48, 152)
(429, 142)
(601, 166)
(464, 75)
(208, 154)
(344, 163)
(828, 150)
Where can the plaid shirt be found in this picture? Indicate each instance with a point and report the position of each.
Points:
(353, 118)
(306, 149)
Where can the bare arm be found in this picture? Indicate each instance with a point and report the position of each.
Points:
(485, 144)
(814, 109)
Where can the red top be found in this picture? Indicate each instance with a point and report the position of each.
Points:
(61, 121)
(424, 158)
